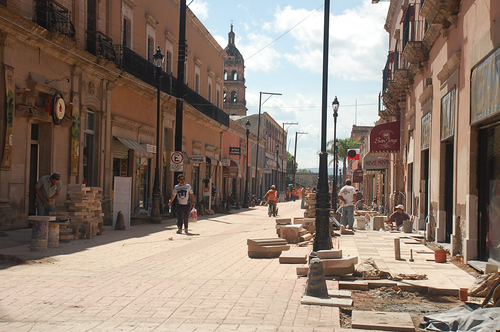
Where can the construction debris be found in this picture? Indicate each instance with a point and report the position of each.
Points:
(266, 248)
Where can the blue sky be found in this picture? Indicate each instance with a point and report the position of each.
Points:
(292, 64)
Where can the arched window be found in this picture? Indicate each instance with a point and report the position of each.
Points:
(234, 97)
(234, 75)
(225, 75)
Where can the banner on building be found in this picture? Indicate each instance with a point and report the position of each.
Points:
(75, 135)
(9, 89)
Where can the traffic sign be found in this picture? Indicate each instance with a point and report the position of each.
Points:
(176, 158)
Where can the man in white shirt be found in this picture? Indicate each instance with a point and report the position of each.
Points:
(183, 191)
(347, 195)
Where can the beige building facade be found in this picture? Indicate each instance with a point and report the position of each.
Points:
(441, 81)
(80, 97)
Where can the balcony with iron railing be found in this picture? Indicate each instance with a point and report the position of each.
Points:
(439, 11)
(134, 64)
(54, 17)
(100, 45)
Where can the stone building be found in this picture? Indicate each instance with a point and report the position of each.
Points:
(440, 89)
(80, 94)
(234, 79)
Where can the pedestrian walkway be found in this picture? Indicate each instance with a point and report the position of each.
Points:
(149, 278)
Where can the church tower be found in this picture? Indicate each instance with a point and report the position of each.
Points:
(234, 79)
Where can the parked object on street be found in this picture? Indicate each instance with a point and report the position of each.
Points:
(120, 222)
(40, 232)
(440, 256)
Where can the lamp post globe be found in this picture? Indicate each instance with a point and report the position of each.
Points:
(335, 106)
(155, 217)
(245, 202)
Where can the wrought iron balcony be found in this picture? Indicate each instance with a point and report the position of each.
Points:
(439, 11)
(414, 28)
(100, 45)
(54, 17)
(144, 70)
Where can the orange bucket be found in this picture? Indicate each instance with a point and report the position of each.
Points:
(440, 256)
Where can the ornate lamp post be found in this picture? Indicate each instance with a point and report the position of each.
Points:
(323, 240)
(245, 202)
(155, 218)
(335, 106)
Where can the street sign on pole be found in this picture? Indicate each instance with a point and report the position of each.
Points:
(176, 161)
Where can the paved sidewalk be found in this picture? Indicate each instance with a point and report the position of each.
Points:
(149, 278)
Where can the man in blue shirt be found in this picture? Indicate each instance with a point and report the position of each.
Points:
(183, 191)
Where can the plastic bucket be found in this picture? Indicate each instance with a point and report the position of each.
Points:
(53, 241)
(39, 235)
(440, 256)
(407, 226)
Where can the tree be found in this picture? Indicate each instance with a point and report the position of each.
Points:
(289, 167)
(304, 170)
(344, 144)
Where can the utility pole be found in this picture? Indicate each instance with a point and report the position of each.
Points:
(285, 156)
(295, 155)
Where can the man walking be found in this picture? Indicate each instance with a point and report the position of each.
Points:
(47, 189)
(347, 195)
(182, 190)
(272, 194)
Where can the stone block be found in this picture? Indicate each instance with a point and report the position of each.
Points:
(255, 254)
(339, 293)
(332, 302)
(302, 270)
(288, 258)
(377, 222)
(354, 285)
(283, 221)
(340, 262)
(298, 220)
(290, 233)
(386, 321)
(338, 271)
(329, 254)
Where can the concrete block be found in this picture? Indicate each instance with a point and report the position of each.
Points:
(267, 241)
(377, 222)
(331, 302)
(386, 321)
(254, 254)
(288, 258)
(340, 262)
(329, 254)
(339, 293)
(490, 268)
(279, 248)
(298, 220)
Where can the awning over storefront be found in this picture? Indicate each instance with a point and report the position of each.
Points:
(385, 138)
(133, 145)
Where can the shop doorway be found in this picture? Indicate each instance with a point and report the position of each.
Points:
(143, 170)
(34, 148)
(448, 188)
(488, 179)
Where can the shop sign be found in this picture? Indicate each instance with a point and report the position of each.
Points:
(385, 137)
(149, 148)
(197, 159)
(485, 88)
(374, 162)
(226, 162)
(267, 170)
(357, 176)
(234, 151)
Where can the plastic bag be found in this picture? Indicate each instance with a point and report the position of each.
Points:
(193, 215)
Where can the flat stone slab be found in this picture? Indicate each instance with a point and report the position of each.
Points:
(283, 221)
(288, 258)
(339, 293)
(331, 302)
(340, 262)
(328, 254)
(384, 321)
(42, 218)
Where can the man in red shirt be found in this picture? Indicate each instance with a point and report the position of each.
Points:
(272, 195)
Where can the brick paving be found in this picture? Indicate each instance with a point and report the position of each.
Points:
(149, 278)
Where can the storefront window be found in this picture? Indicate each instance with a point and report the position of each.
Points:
(142, 180)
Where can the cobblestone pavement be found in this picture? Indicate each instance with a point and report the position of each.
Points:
(149, 278)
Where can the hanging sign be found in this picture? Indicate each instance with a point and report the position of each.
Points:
(9, 132)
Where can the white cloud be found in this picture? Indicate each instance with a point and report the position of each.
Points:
(199, 8)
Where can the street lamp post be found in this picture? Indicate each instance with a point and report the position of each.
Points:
(335, 106)
(277, 166)
(155, 210)
(256, 186)
(323, 240)
(285, 155)
(295, 156)
(245, 202)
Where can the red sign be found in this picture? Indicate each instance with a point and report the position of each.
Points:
(385, 138)
(357, 176)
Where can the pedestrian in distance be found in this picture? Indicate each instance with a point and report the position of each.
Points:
(271, 195)
(303, 197)
(183, 192)
(347, 195)
(47, 189)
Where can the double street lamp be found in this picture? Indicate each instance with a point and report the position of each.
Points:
(335, 106)
(155, 217)
(245, 202)
(257, 185)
